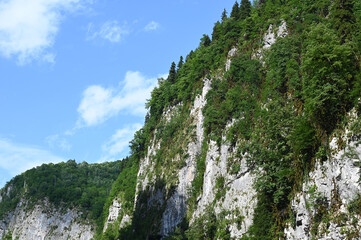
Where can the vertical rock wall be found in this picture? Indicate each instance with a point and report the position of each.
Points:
(46, 221)
(332, 187)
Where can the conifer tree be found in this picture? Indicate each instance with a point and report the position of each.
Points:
(189, 56)
(328, 70)
(180, 63)
(224, 15)
(235, 11)
(343, 18)
(205, 40)
(172, 73)
(260, 3)
(245, 9)
(216, 31)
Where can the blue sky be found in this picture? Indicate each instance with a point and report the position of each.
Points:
(75, 74)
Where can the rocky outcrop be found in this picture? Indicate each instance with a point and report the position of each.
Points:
(231, 54)
(333, 186)
(176, 206)
(239, 197)
(45, 221)
(270, 38)
(115, 212)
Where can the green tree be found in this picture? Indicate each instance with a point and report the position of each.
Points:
(328, 70)
(205, 40)
(8, 236)
(216, 31)
(224, 15)
(235, 11)
(343, 18)
(260, 3)
(180, 63)
(172, 73)
(245, 9)
(283, 73)
(189, 56)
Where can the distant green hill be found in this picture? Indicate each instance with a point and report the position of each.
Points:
(67, 184)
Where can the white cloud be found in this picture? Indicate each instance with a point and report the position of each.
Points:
(152, 26)
(16, 158)
(55, 141)
(49, 57)
(118, 143)
(110, 30)
(28, 27)
(99, 103)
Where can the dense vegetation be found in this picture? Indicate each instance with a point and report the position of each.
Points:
(67, 184)
(123, 189)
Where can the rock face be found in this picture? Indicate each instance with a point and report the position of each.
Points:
(239, 198)
(232, 53)
(332, 187)
(115, 212)
(45, 221)
(176, 206)
(270, 37)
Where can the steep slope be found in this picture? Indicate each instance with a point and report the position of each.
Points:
(328, 206)
(240, 139)
(45, 221)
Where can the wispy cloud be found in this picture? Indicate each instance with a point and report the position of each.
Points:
(28, 28)
(115, 147)
(56, 141)
(99, 103)
(16, 158)
(111, 31)
(152, 26)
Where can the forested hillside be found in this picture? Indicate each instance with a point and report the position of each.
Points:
(67, 185)
(253, 135)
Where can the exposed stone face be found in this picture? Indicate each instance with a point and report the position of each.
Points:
(45, 221)
(282, 30)
(115, 211)
(240, 196)
(146, 166)
(270, 38)
(231, 54)
(177, 204)
(335, 184)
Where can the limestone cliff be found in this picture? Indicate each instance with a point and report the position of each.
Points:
(45, 221)
(273, 167)
(327, 205)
